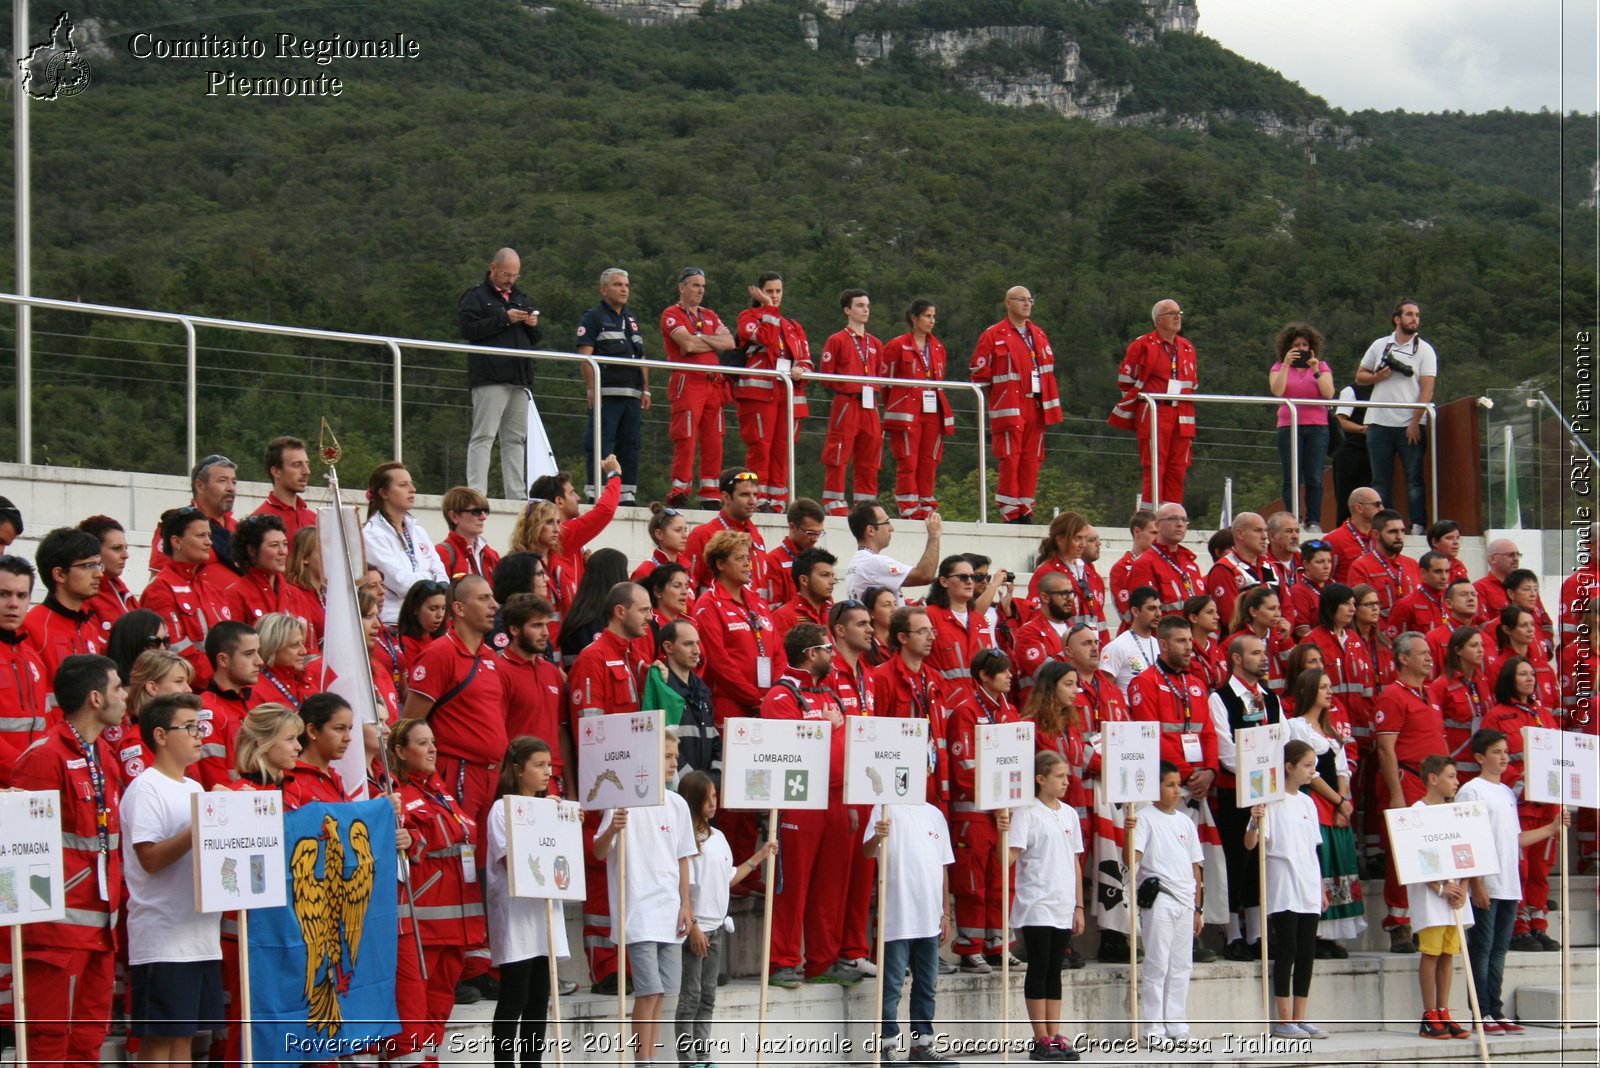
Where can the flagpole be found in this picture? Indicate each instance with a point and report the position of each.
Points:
(766, 947)
(555, 979)
(22, 182)
(620, 926)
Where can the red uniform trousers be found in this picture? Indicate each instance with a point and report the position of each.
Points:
(697, 401)
(1175, 456)
(1394, 891)
(853, 941)
(917, 453)
(445, 965)
(799, 846)
(598, 947)
(69, 998)
(1533, 914)
(1020, 452)
(854, 434)
(975, 885)
(768, 451)
(472, 785)
(410, 1046)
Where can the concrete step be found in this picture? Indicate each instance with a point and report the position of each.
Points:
(1541, 1005)
(1580, 927)
(1370, 1002)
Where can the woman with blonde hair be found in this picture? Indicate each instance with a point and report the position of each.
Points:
(154, 673)
(283, 659)
(538, 531)
(267, 746)
(304, 574)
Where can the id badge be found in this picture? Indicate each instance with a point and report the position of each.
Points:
(1035, 386)
(930, 401)
(785, 365)
(764, 672)
(867, 399)
(1174, 387)
(1191, 748)
(103, 876)
(469, 862)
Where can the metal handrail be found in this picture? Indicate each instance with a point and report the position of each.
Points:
(1152, 399)
(395, 345)
(1542, 399)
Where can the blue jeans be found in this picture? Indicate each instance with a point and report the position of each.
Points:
(1486, 950)
(620, 420)
(1383, 442)
(1313, 458)
(921, 956)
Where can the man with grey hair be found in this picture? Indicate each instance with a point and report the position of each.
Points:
(1245, 565)
(496, 314)
(214, 483)
(623, 393)
(1409, 725)
(1161, 362)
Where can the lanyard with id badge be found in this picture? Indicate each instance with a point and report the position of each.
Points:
(868, 397)
(763, 661)
(469, 852)
(102, 812)
(930, 397)
(1192, 752)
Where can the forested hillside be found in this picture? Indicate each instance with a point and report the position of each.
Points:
(728, 143)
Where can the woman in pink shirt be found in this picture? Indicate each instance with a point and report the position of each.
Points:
(1301, 374)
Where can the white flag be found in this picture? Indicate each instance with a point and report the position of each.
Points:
(541, 457)
(344, 641)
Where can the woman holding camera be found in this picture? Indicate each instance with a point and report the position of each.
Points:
(1300, 374)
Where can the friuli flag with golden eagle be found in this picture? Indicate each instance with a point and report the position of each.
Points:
(322, 968)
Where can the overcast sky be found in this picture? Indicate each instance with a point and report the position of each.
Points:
(1420, 55)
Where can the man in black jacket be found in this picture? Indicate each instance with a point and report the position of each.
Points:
(496, 313)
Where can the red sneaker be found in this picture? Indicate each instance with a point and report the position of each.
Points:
(1431, 1027)
(1491, 1026)
(1455, 1029)
(1508, 1027)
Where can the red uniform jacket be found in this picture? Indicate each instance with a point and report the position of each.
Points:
(1004, 363)
(695, 550)
(448, 910)
(307, 783)
(844, 353)
(301, 515)
(1463, 702)
(1492, 600)
(607, 678)
(1420, 610)
(257, 593)
(1174, 573)
(1153, 366)
(777, 571)
(734, 638)
(1349, 545)
(220, 717)
(796, 610)
(1178, 702)
(1393, 579)
(1120, 580)
(111, 603)
(1035, 643)
(185, 596)
(853, 687)
(1209, 663)
(1307, 601)
(1549, 686)
(1510, 719)
(56, 761)
(1352, 674)
(798, 696)
(903, 406)
(1577, 591)
(655, 560)
(1230, 576)
(459, 559)
(283, 686)
(768, 337)
(903, 694)
(961, 739)
(954, 646)
(57, 633)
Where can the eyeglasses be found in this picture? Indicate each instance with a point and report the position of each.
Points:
(884, 522)
(434, 586)
(194, 730)
(965, 576)
(1021, 300)
(980, 577)
(814, 648)
(690, 272)
(1057, 593)
(1367, 604)
(806, 532)
(480, 512)
(1175, 311)
(1076, 627)
(91, 565)
(671, 513)
(156, 641)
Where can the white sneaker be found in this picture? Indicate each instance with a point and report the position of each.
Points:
(864, 966)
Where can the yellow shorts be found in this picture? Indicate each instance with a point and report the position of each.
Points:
(1434, 941)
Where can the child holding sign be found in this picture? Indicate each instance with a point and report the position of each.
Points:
(1294, 892)
(1495, 897)
(1045, 843)
(517, 937)
(1433, 912)
(1166, 846)
(711, 876)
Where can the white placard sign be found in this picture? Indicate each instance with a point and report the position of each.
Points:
(32, 883)
(1005, 765)
(776, 763)
(1131, 762)
(1437, 842)
(1560, 767)
(885, 761)
(544, 847)
(620, 760)
(1259, 760)
(237, 839)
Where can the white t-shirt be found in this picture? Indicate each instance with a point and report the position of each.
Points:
(516, 924)
(162, 922)
(1170, 847)
(1127, 655)
(709, 874)
(658, 837)
(1416, 354)
(917, 850)
(1050, 839)
(1505, 885)
(1429, 909)
(1294, 868)
(868, 569)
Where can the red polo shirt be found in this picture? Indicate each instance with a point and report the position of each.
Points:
(1415, 719)
(472, 724)
(293, 517)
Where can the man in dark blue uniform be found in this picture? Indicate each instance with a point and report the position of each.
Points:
(623, 393)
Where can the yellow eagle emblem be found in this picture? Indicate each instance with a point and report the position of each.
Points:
(331, 909)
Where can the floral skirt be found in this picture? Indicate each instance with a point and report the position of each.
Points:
(1345, 917)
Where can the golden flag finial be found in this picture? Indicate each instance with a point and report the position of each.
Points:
(328, 445)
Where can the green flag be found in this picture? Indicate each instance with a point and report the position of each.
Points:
(659, 694)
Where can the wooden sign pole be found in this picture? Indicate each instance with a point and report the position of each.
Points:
(19, 995)
(766, 942)
(1566, 926)
(883, 891)
(555, 979)
(1005, 945)
(246, 1039)
(1261, 861)
(621, 927)
(1472, 988)
(1128, 894)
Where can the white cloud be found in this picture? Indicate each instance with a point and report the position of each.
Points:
(1421, 55)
